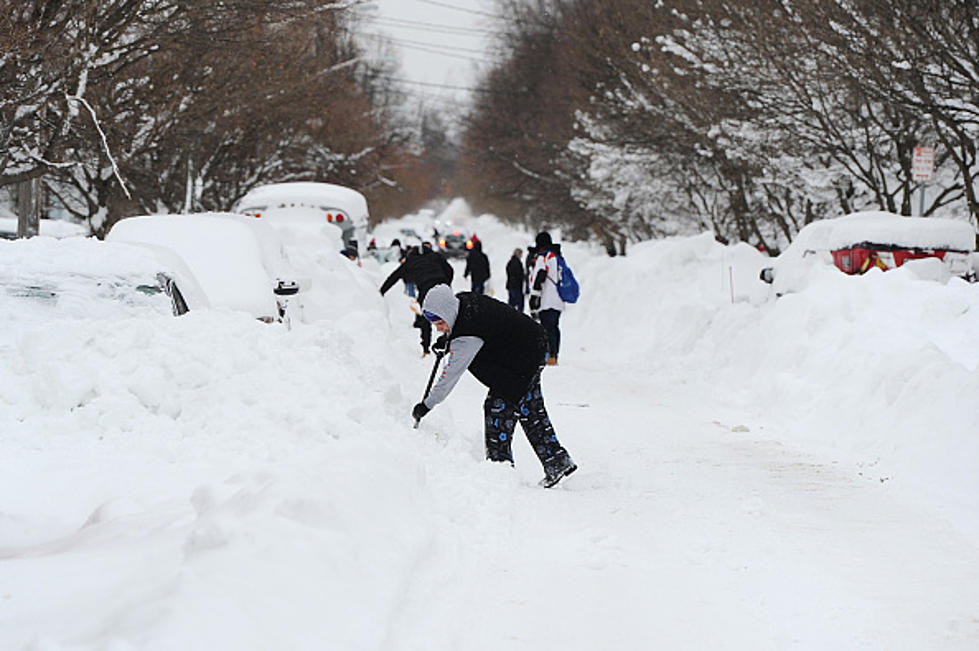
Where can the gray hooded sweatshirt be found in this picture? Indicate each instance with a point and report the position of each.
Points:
(441, 302)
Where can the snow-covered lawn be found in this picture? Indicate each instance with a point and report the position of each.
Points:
(754, 473)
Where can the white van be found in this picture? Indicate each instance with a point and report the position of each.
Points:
(311, 203)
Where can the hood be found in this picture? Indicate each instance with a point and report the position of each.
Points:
(543, 241)
(441, 302)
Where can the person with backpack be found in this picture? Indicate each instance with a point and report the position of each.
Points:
(424, 269)
(545, 303)
(515, 281)
(505, 350)
(477, 267)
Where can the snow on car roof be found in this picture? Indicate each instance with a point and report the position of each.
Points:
(308, 193)
(885, 228)
(222, 251)
(76, 255)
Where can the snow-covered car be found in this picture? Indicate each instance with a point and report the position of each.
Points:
(84, 278)
(301, 204)
(238, 262)
(455, 244)
(860, 241)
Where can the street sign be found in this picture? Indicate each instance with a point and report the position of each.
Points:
(923, 164)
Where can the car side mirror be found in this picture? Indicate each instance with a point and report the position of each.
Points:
(286, 288)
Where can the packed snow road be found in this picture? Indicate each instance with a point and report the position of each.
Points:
(682, 529)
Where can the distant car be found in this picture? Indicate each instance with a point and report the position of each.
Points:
(301, 204)
(861, 241)
(85, 278)
(455, 244)
(239, 263)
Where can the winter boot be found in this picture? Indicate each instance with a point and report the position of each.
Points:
(557, 468)
(552, 360)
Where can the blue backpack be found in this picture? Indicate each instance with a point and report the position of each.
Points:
(567, 286)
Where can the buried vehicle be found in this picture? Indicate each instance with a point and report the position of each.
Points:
(306, 204)
(84, 278)
(860, 241)
(239, 264)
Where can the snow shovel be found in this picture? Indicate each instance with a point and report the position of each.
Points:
(431, 379)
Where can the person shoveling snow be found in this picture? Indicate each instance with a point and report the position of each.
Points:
(506, 351)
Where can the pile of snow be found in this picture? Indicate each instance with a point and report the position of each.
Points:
(883, 365)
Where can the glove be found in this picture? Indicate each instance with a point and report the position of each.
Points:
(535, 302)
(419, 411)
(441, 345)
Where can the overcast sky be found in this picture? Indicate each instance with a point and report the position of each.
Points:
(440, 44)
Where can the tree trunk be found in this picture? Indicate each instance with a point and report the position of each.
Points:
(29, 201)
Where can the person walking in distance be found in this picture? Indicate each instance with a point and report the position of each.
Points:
(423, 269)
(528, 268)
(515, 281)
(505, 350)
(545, 303)
(477, 267)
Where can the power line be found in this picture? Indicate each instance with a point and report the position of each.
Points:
(435, 85)
(432, 49)
(401, 41)
(462, 9)
(433, 27)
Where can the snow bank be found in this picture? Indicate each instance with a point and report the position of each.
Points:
(882, 367)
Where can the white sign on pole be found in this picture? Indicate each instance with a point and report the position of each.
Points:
(923, 164)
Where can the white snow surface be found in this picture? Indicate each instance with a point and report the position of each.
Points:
(46, 227)
(755, 473)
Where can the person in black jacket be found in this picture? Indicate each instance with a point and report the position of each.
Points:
(477, 267)
(515, 281)
(424, 270)
(529, 267)
(505, 350)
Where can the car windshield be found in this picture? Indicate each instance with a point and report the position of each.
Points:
(81, 296)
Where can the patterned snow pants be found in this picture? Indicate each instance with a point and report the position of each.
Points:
(501, 420)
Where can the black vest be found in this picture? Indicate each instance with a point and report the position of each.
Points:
(514, 345)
